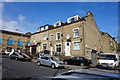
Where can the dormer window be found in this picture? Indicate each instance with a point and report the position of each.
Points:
(73, 19)
(42, 29)
(59, 23)
(46, 27)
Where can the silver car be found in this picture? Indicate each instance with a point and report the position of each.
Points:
(51, 61)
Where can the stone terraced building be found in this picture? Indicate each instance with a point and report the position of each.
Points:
(79, 36)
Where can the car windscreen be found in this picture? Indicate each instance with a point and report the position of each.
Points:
(110, 57)
(85, 76)
(54, 58)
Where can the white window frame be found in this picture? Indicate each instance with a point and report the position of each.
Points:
(74, 32)
(46, 27)
(51, 38)
(43, 45)
(59, 24)
(44, 37)
(42, 28)
(34, 39)
(57, 36)
(76, 48)
(77, 18)
(56, 47)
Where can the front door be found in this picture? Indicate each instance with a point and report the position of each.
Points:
(67, 48)
(51, 51)
(34, 50)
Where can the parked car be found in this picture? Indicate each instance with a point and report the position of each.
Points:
(19, 56)
(110, 60)
(84, 74)
(78, 61)
(51, 61)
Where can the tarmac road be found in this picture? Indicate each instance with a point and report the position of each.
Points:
(22, 69)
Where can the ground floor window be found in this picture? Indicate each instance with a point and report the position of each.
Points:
(76, 45)
(58, 47)
(44, 46)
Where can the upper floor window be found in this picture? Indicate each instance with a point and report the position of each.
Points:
(34, 39)
(72, 19)
(59, 23)
(46, 27)
(44, 46)
(51, 37)
(42, 29)
(0, 40)
(44, 37)
(20, 43)
(76, 32)
(10, 41)
(76, 45)
(58, 36)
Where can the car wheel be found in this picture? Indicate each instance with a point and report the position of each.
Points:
(66, 62)
(114, 67)
(81, 64)
(52, 66)
(38, 63)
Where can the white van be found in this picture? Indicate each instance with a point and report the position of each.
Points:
(110, 60)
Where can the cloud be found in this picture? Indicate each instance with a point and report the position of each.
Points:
(11, 26)
(8, 0)
(1, 5)
(21, 24)
(21, 18)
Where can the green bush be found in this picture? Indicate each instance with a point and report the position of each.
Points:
(61, 54)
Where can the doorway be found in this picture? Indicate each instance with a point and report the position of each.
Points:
(67, 48)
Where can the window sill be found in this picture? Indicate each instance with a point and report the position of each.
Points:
(77, 50)
(76, 37)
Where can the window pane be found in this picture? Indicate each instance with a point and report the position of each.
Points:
(58, 48)
(76, 32)
(44, 36)
(44, 46)
(51, 38)
(58, 36)
(76, 45)
(20, 43)
(0, 40)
